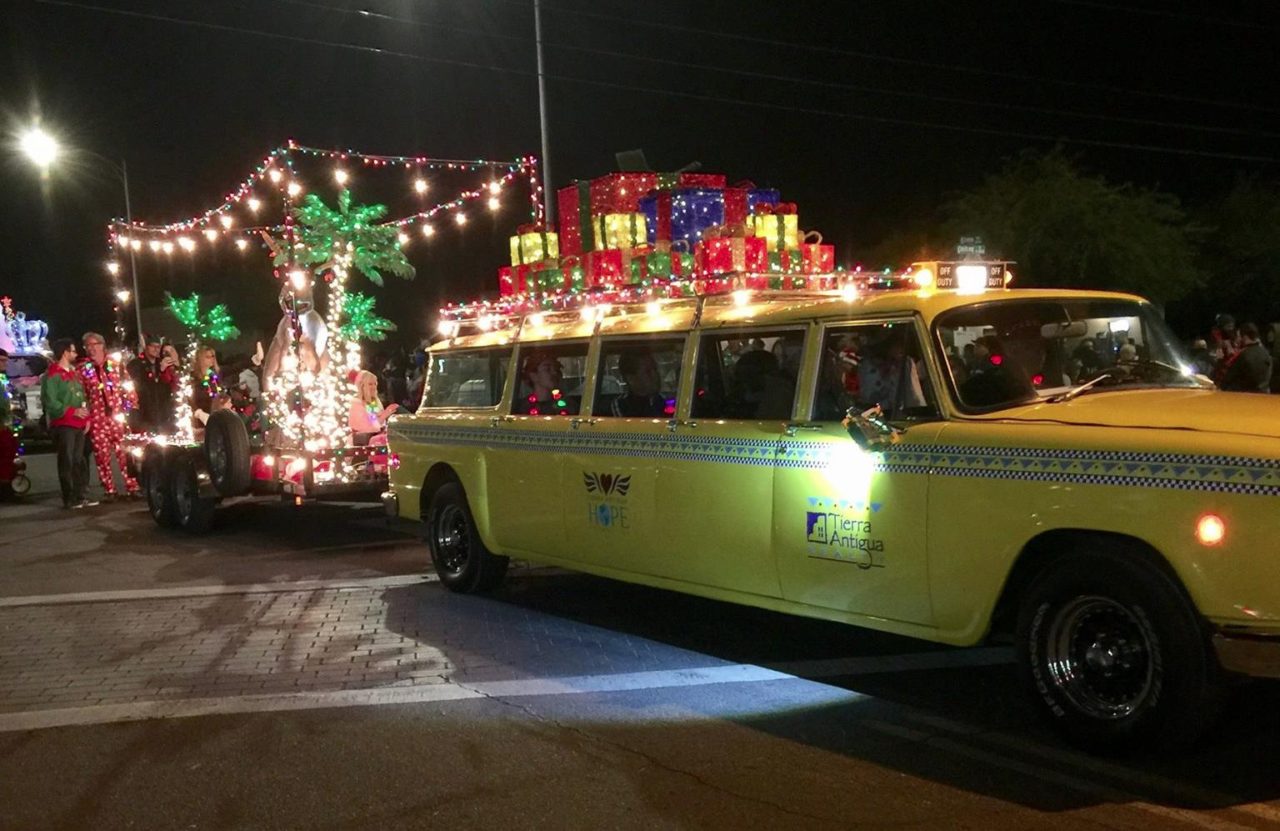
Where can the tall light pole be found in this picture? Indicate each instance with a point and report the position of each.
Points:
(547, 209)
(43, 150)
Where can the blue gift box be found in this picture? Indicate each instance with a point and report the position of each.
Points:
(682, 213)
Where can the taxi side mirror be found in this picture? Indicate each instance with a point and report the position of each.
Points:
(869, 429)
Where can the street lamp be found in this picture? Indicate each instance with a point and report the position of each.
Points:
(43, 150)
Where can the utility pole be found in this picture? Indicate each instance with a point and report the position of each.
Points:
(547, 204)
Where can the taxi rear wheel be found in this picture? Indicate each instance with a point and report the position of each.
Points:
(1115, 654)
(460, 558)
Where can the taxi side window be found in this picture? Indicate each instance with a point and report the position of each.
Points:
(748, 375)
(466, 379)
(638, 378)
(551, 379)
(873, 364)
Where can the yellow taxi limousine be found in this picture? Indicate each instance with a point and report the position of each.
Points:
(947, 465)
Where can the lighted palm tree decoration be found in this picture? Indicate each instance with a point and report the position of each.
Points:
(331, 242)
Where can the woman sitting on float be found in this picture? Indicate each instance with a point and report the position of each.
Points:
(368, 418)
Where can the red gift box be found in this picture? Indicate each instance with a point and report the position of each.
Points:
(514, 279)
(571, 241)
(816, 258)
(603, 267)
(735, 205)
(619, 193)
(719, 255)
(701, 180)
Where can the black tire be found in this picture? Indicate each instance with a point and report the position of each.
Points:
(1115, 654)
(461, 560)
(156, 473)
(226, 449)
(193, 512)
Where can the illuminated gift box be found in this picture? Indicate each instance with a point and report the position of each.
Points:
(514, 279)
(666, 265)
(620, 230)
(547, 277)
(682, 215)
(602, 268)
(719, 255)
(778, 225)
(668, 181)
(532, 244)
(789, 262)
(740, 201)
(619, 193)
(817, 258)
(574, 203)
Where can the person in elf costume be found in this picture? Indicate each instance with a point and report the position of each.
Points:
(109, 394)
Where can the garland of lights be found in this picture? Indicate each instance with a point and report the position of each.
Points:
(277, 171)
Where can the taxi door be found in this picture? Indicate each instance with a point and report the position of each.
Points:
(611, 514)
(526, 456)
(715, 475)
(848, 524)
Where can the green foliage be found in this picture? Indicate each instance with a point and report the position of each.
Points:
(360, 322)
(325, 232)
(1241, 252)
(1066, 228)
(216, 324)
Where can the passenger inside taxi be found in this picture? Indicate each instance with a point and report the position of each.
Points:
(888, 377)
(541, 391)
(760, 389)
(995, 377)
(642, 397)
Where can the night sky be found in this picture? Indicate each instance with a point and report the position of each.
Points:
(866, 114)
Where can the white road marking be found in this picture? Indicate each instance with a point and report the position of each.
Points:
(210, 591)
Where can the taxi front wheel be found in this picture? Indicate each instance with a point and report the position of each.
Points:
(1115, 654)
(462, 562)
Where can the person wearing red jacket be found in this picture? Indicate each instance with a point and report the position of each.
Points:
(109, 399)
(63, 398)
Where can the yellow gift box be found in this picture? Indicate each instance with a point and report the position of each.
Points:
(781, 231)
(620, 230)
(533, 245)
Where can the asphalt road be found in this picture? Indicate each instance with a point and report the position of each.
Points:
(301, 668)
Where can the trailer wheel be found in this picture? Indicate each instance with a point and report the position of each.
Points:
(194, 512)
(156, 473)
(226, 449)
(461, 560)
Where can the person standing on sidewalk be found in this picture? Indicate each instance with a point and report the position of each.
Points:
(63, 398)
(8, 439)
(108, 401)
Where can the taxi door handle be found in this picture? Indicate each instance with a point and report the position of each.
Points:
(793, 426)
(494, 421)
(574, 422)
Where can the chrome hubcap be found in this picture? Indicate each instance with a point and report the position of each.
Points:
(452, 539)
(1100, 655)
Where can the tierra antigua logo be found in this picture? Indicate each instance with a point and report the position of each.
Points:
(607, 484)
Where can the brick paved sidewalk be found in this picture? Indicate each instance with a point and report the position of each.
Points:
(70, 655)
(101, 652)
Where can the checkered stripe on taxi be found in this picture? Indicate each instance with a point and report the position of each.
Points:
(1226, 474)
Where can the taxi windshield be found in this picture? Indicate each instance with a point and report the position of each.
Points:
(1005, 353)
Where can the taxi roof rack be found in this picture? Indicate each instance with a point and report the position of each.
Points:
(740, 287)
